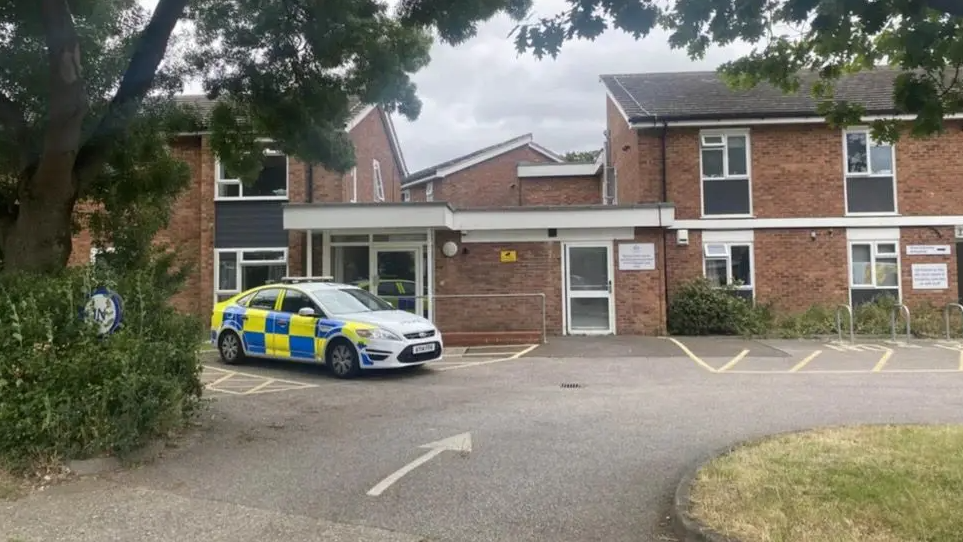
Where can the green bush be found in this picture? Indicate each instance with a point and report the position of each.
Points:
(66, 392)
(698, 308)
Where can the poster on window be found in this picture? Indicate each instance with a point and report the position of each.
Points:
(636, 256)
(930, 276)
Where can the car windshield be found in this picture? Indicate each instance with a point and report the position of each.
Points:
(349, 300)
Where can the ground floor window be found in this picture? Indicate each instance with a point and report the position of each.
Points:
(236, 270)
(729, 264)
(874, 270)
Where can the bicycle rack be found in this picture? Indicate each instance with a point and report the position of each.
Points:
(892, 319)
(839, 322)
(946, 316)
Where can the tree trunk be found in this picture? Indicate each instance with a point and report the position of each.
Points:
(39, 240)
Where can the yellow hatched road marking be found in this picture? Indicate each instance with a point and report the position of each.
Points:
(882, 361)
(733, 361)
(692, 356)
(805, 361)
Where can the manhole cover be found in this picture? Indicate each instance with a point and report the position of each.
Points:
(571, 385)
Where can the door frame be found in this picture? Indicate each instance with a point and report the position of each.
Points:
(567, 293)
(418, 251)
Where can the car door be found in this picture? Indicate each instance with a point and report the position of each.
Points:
(258, 329)
(295, 335)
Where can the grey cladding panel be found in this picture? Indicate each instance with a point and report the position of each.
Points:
(870, 195)
(726, 196)
(249, 224)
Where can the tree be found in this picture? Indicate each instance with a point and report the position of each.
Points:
(86, 92)
(796, 38)
(581, 156)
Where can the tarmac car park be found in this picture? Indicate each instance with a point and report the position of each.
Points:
(315, 319)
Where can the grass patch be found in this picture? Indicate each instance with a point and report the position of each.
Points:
(879, 483)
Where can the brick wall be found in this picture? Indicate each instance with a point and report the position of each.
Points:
(640, 295)
(561, 190)
(493, 183)
(480, 271)
(928, 236)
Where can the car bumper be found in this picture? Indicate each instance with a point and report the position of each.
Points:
(395, 354)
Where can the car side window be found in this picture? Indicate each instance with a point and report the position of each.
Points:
(295, 300)
(265, 299)
(244, 300)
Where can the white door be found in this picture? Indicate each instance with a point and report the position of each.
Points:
(397, 277)
(588, 288)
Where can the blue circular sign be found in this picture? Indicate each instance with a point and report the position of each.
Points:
(105, 309)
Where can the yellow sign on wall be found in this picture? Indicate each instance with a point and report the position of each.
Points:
(508, 256)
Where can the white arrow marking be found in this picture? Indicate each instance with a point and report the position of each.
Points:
(457, 443)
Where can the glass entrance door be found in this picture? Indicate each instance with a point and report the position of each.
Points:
(397, 278)
(588, 288)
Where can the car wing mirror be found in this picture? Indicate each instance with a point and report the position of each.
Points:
(306, 311)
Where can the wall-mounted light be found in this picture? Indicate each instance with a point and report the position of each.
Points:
(449, 249)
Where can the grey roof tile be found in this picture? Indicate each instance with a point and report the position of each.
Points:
(430, 171)
(703, 95)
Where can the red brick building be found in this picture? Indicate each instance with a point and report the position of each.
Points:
(694, 180)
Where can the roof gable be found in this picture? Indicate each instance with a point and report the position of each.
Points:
(477, 157)
(704, 95)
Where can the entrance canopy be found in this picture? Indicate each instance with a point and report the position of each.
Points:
(439, 215)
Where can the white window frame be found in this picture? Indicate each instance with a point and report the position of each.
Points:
(354, 184)
(869, 171)
(406, 195)
(430, 191)
(724, 145)
(241, 262)
(379, 184)
(218, 182)
(873, 254)
(726, 254)
(95, 251)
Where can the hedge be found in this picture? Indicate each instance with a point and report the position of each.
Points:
(699, 308)
(68, 393)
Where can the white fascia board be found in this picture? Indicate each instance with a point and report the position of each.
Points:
(545, 152)
(397, 144)
(559, 170)
(475, 160)
(728, 236)
(356, 120)
(527, 219)
(872, 234)
(817, 222)
(766, 121)
(618, 106)
(360, 216)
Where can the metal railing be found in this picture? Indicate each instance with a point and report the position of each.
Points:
(946, 316)
(538, 295)
(901, 308)
(839, 322)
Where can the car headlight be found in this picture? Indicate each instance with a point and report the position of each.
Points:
(378, 334)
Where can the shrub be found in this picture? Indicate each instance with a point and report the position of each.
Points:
(66, 392)
(699, 308)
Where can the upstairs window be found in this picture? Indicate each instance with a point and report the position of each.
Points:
(271, 183)
(379, 185)
(870, 174)
(406, 195)
(354, 184)
(724, 161)
(430, 191)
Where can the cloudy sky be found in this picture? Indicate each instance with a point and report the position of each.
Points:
(481, 92)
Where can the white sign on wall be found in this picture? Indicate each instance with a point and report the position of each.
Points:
(930, 276)
(927, 250)
(636, 256)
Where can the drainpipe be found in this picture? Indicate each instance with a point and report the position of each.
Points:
(665, 244)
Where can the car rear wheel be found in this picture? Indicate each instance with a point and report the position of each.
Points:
(229, 346)
(342, 359)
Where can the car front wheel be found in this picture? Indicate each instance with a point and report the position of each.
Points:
(342, 359)
(229, 346)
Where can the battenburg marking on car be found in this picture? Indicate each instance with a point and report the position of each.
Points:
(379, 335)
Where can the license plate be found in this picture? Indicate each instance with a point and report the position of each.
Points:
(422, 348)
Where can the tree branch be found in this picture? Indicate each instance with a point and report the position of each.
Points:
(137, 81)
(949, 7)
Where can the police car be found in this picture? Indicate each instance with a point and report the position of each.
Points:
(315, 319)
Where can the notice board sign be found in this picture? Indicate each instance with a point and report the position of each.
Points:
(927, 250)
(930, 276)
(636, 256)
